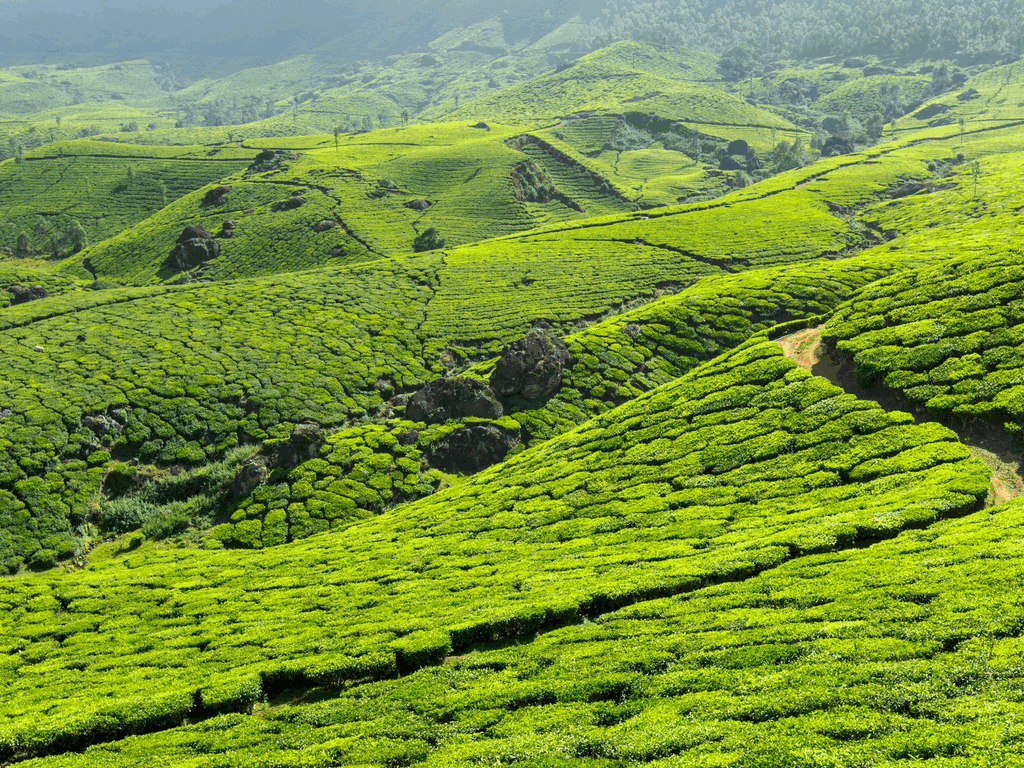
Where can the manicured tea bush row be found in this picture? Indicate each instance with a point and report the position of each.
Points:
(950, 337)
(742, 234)
(903, 654)
(735, 468)
(264, 241)
(638, 350)
(360, 472)
(183, 375)
(578, 185)
(365, 469)
(89, 181)
(366, 185)
(16, 272)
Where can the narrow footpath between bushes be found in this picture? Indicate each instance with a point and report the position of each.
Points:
(992, 445)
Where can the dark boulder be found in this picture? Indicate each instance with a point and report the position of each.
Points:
(325, 225)
(227, 229)
(729, 163)
(20, 294)
(738, 147)
(216, 196)
(418, 205)
(304, 444)
(836, 145)
(472, 448)
(532, 366)
(193, 232)
(250, 476)
(293, 202)
(482, 126)
(408, 436)
(195, 246)
(456, 397)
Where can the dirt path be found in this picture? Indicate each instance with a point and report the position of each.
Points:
(990, 445)
(803, 347)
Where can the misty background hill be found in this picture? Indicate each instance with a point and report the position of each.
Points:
(215, 36)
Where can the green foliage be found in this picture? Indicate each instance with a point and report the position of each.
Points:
(71, 193)
(734, 469)
(947, 337)
(427, 240)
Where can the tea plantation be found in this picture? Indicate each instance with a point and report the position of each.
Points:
(668, 493)
(947, 337)
(747, 506)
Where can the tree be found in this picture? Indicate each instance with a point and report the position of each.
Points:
(428, 240)
(875, 125)
(736, 63)
(337, 133)
(976, 173)
(73, 238)
(24, 246)
(405, 117)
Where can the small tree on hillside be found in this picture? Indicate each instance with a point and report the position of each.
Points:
(428, 240)
(736, 63)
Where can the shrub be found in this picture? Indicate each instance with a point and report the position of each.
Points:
(428, 240)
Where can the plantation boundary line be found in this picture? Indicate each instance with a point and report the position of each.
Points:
(180, 159)
(662, 247)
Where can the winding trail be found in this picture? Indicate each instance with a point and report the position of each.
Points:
(991, 445)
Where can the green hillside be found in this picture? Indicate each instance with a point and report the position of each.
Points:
(105, 187)
(509, 401)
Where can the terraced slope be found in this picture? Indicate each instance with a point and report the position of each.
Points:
(902, 653)
(366, 469)
(105, 187)
(628, 77)
(947, 337)
(680, 488)
(405, 314)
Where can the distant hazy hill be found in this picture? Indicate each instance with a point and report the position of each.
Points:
(205, 33)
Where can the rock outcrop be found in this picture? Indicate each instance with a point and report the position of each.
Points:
(472, 448)
(195, 246)
(304, 444)
(531, 367)
(250, 476)
(21, 294)
(216, 196)
(456, 397)
(293, 202)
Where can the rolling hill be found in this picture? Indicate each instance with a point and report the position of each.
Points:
(696, 442)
